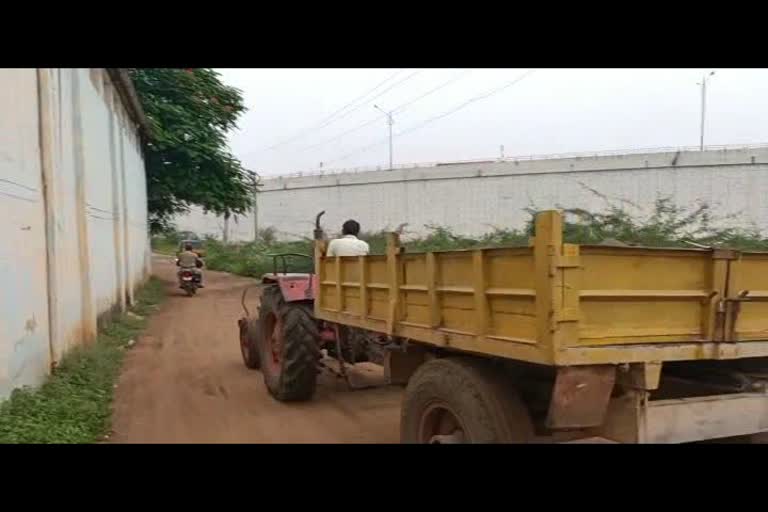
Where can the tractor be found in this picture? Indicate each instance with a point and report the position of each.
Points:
(286, 342)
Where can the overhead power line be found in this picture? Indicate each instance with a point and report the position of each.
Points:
(468, 102)
(444, 84)
(326, 120)
(369, 100)
(437, 117)
(397, 110)
(348, 112)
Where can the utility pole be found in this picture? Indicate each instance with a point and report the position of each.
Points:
(703, 85)
(390, 122)
(255, 206)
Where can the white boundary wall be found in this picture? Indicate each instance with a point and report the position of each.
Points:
(73, 215)
(472, 198)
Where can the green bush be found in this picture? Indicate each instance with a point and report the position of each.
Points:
(666, 225)
(253, 258)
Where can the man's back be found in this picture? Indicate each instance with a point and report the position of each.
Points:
(348, 245)
(188, 259)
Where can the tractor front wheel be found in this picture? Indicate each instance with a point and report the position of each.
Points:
(249, 347)
(288, 340)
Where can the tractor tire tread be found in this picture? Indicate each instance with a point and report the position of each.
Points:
(301, 352)
(480, 394)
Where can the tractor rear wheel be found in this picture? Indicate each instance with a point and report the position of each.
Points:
(461, 400)
(288, 340)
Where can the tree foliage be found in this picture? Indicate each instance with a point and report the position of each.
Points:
(187, 159)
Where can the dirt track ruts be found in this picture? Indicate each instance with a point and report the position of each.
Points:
(184, 382)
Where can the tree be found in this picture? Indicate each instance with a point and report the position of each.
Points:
(187, 159)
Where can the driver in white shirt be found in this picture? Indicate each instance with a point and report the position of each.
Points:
(348, 244)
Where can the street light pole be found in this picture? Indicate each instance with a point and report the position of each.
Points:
(390, 122)
(255, 206)
(703, 107)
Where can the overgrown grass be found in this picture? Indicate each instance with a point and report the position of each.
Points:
(74, 405)
(164, 246)
(253, 259)
(665, 225)
(166, 243)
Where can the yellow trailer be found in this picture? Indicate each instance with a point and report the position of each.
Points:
(559, 342)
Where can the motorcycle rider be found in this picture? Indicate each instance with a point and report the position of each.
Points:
(189, 260)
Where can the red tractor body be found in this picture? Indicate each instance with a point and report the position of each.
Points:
(294, 287)
(284, 340)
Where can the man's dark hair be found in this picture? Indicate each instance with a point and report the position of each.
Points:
(351, 227)
(187, 247)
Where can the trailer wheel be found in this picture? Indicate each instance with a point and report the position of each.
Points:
(288, 341)
(457, 400)
(249, 347)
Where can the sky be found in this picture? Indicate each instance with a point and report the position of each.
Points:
(301, 119)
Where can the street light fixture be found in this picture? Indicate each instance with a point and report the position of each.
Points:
(390, 122)
(703, 85)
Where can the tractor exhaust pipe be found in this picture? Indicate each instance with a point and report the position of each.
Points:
(319, 235)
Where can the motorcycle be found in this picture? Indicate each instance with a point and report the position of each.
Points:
(189, 281)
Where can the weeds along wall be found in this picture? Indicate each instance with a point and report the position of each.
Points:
(474, 198)
(73, 215)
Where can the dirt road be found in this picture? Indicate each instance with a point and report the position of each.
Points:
(184, 382)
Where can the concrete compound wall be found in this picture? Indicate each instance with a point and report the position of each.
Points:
(237, 229)
(73, 215)
(473, 198)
